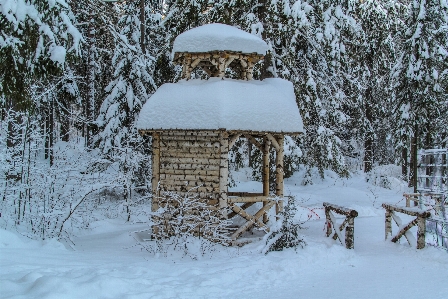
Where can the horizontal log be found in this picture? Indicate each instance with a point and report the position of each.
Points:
(166, 183)
(187, 144)
(213, 173)
(249, 199)
(189, 178)
(192, 166)
(176, 154)
(200, 161)
(190, 189)
(341, 210)
(205, 195)
(191, 150)
(244, 194)
(408, 211)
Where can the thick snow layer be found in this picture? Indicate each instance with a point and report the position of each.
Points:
(219, 37)
(106, 263)
(268, 105)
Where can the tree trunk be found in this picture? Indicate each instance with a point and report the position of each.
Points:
(413, 163)
(368, 139)
(142, 26)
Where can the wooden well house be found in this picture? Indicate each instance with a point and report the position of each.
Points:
(194, 123)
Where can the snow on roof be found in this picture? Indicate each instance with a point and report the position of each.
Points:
(264, 106)
(219, 37)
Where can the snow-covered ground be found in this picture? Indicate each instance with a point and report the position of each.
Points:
(106, 263)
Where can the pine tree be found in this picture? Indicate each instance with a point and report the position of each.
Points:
(421, 73)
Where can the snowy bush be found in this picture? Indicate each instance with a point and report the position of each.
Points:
(187, 224)
(284, 232)
(385, 176)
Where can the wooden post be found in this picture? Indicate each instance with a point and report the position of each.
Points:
(421, 225)
(267, 146)
(388, 224)
(350, 233)
(279, 174)
(155, 170)
(328, 221)
(223, 169)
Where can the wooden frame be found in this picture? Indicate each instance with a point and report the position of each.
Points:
(420, 221)
(348, 224)
(185, 159)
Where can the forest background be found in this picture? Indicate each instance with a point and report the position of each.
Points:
(370, 77)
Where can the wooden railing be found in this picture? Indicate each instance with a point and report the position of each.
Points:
(348, 224)
(415, 197)
(420, 221)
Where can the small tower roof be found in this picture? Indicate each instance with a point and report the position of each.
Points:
(262, 106)
(218, 37)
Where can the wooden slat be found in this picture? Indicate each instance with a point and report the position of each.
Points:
(178, 154)
(189, 177)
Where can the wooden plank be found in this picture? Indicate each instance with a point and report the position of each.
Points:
(249, 199)
(155, 171)
(166, 183)
(176, 143)
(223, 169)
(189, 177)
(192, 133)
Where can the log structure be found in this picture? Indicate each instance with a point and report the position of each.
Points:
(194, 124)
(420, 221)
(348, 224)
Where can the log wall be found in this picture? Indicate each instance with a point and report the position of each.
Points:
(191, 161)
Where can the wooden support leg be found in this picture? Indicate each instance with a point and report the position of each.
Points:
(388, 224)
(266, 148)
(328, 222)
(421, 224)
(349, 233)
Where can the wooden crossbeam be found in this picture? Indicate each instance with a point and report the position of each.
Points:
(254, 141)
(420, 221)
(244, 207)
(253, 220)
(233, 139)
(273, 142)
(246, 216)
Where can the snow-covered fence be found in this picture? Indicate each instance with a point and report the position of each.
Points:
(348, 224)
(420, 221)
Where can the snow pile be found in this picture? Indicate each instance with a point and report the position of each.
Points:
(219, 37)
(268, 105)
(105, 262)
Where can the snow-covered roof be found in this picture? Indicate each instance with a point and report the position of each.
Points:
(263, 106)
(218, 37)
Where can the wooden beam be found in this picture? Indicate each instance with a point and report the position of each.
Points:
(155, 171)
(233, 139)
(244, 207)
(249, 199)
(250, 223)
(246, 216)
(223, 169)
(279, 173)
(254, 141)
(244, 194)
(267, 146)
(274, 142)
